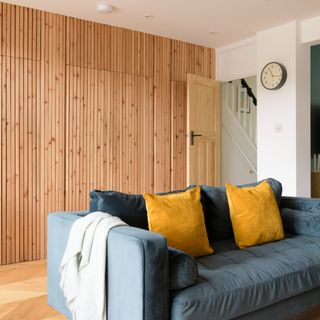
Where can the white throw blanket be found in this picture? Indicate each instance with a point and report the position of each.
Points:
(83, 266)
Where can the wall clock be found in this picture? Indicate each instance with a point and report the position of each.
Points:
(273, 76)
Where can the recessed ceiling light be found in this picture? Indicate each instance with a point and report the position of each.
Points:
(104, 7)
(149, 16)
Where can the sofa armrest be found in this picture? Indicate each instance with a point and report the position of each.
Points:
(302, 204)
(301, 222)
(59, 225)
(301, 215)
(138, 275)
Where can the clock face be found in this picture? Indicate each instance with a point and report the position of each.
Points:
(273, 76)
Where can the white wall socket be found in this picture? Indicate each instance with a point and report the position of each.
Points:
(278, 128)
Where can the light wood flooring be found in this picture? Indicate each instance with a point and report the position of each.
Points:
(23, 294)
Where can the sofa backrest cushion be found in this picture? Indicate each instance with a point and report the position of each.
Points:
(131, 208)
(216, 209)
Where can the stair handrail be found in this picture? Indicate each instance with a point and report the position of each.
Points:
(249, 91)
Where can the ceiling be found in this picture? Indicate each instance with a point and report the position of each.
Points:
(188, 20)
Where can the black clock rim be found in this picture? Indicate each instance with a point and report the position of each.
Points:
(284, 76)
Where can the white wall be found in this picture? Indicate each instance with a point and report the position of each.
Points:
(284, 153)
(310, 31)
(235, 167)
(236, 61)
(303, 120)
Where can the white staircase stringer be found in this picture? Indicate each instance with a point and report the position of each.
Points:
(239, 135)
(230, 97)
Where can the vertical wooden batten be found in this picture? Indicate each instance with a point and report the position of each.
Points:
(178, 134)
(85, 106)
(162, 114)
(20, 84)
(51, 195)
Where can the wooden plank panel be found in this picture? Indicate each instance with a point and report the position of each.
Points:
(136, 135)
(52, 153)
(126, 142)
(11, 162)
(179, 61)
(204, 63)
(3, 198)
(212, 64)
(178, 134)
(17, 152)
(1, 139)
(147, 145)
(21, 32)
(162, 134)
(88, 44)
(69, 95)
(19, 165)
(162, 57)
(81, 136)
(162, 114)
(189, 58)
(118, 124)
(4, 171)
(131, 52)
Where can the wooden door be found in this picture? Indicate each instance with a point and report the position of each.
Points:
(203, 131)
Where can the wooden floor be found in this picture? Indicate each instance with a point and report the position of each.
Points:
(311, 315)
(23, 294)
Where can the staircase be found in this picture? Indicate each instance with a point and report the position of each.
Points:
(238, 124)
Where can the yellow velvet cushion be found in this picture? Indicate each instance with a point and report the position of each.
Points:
(254, 215)
(179, 217)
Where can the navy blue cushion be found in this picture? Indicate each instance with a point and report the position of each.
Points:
(216, 209)
(183, 269)
(131, 208)
(233, 282)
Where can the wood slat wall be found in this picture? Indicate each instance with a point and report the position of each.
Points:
(51, 121)
(109, 133)
(85, 106)
(178, 134)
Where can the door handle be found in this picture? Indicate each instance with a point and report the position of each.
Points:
(192, 135)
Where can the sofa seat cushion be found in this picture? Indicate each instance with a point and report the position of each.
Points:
(234, 282)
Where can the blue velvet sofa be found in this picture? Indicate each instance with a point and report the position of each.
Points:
(272, 281)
